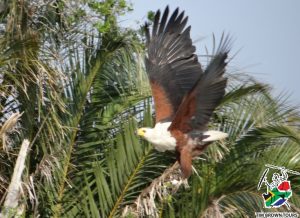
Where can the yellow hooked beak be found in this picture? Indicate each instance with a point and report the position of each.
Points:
(141, 131)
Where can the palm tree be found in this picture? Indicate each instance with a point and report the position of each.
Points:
(262, 130)
(66, 77)
(77, 90)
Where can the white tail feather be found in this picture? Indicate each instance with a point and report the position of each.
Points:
(214, 135)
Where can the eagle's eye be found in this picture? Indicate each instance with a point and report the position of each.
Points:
(144, 131)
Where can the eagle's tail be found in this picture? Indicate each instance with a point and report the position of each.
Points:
(213, 135)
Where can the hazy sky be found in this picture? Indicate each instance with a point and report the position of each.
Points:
(267, 33)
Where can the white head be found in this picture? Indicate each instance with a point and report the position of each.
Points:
(146, 133)
(159, 136)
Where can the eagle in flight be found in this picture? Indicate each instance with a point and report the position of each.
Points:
(184, 95)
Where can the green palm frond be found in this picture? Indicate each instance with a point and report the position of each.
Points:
(126, 168)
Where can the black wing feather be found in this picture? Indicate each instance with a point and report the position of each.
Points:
(211, 87)
(163, 20)
(171, 61)
(198, 105)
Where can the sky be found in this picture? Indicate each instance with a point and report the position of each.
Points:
(266, 35)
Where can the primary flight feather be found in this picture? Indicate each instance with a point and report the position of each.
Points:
(184, 95)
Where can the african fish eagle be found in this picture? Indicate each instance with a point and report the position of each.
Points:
(184, 96)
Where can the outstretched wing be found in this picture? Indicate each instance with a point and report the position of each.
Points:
(172, 66)
(198, 105)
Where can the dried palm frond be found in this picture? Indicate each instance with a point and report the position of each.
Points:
(162, 187)
(8, 127)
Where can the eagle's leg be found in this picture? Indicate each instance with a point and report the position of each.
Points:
(184, 157)
(186, 154)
